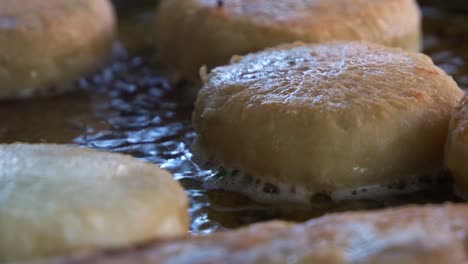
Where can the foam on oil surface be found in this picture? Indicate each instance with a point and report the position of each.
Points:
(267, 190)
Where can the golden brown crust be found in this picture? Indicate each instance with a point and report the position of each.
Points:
(45, 44)
(409, 235)
(456, 148)
(327, 117)
(55, 199)
(191, 33)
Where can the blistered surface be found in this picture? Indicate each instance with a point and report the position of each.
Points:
(129, 108)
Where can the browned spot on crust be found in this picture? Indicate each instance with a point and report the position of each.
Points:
(426, 70)
(417, 95)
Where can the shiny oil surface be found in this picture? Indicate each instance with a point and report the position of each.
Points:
(130, 108)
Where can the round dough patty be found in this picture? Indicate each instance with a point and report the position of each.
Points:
(456, 149)
(192, 33)
(55, 199)
(408, 235)
(44, 45)
(326, 118)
